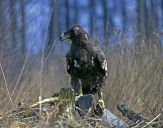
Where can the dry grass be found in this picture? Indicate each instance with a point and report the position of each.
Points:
(135, 77)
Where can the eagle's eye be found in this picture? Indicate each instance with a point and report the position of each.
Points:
(76, 28)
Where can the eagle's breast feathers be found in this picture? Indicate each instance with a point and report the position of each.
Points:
(87, 62)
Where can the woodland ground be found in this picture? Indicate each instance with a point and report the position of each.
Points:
(135, 77)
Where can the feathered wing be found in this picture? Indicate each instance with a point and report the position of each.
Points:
(101, 60)
(75, 82)
(101, 63)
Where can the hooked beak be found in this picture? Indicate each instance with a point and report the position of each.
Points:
(64, 36)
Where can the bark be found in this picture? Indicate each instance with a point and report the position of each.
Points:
(13, 23)
(91, 16)
(23, 27)
(67, 13)
(76, 11)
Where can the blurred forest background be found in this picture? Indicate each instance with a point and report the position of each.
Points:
(32, 59)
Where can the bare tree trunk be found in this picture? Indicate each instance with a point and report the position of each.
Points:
(2, 31)
(124, 15)
(13, 23)
(152, 19)
(67, 13)
(110, 18)
(141, 17)
(105, 24)
(23, 27)
(76, 11)
(53, 27)
(141, 26)
(154, 28)
(105, 18)
(91, 16)
(154, 15)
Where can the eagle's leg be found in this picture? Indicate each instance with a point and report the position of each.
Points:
(100, 82)
(77, 87)
(100, 96)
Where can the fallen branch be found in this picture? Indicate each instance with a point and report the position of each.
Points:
(152, 121)
(48, 100)
(65, 99)
(138, 119)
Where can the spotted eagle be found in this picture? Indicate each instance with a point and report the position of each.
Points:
(86, 63)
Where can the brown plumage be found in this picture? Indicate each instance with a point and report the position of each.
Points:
(86, 64)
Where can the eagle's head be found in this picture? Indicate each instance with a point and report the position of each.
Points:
(74, 34)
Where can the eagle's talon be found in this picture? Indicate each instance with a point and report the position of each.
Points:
(101, 103)
(77, 97)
